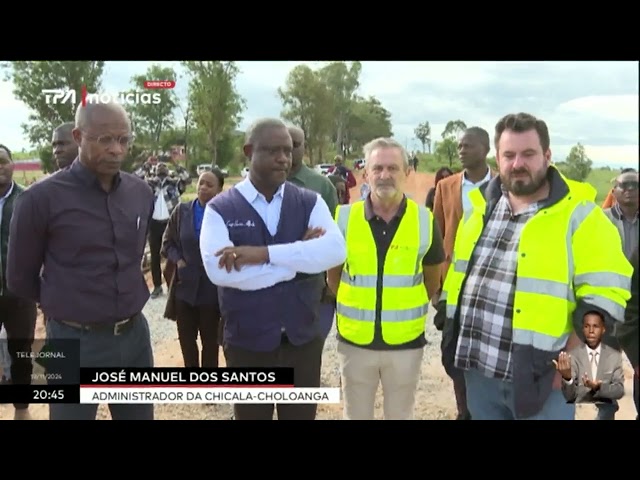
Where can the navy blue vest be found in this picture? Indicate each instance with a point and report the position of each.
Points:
(254, 320)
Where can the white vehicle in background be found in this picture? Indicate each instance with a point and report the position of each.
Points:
(244, 173)
(323, 168)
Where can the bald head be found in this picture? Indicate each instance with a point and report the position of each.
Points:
(297, 137)
(92, 113)
(103, 133)
(65, 149)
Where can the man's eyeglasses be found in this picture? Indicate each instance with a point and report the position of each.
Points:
(632, 185)
(108, 140)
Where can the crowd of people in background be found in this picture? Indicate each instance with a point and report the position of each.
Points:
(261, 271)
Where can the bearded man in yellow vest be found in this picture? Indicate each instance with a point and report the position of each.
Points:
(533, 255)
(392, 268)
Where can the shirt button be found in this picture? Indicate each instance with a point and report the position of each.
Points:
(475, 335)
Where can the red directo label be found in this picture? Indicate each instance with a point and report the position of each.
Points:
(159, 84)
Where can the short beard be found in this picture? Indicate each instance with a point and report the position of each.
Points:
(521, 188)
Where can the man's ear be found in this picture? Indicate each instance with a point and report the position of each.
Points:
(77, 136)
(247, 150)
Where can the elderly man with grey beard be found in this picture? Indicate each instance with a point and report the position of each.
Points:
(87, 227)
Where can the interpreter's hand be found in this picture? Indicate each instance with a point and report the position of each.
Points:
(181, 263)
(237, 257)
(563, 365)
(591, 384)
(312, 233)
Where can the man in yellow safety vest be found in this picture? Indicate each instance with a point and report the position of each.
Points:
(533, 255)
(392, 269)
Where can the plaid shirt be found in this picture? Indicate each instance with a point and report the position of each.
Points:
(486, 303)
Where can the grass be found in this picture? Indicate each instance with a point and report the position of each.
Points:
(601, 180)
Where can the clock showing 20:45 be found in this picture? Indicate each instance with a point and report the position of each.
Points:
(46, 396)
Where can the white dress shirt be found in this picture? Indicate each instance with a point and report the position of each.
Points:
(468, 185)
(597, 351)
(285, 260)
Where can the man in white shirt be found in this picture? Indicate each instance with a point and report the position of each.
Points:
(263, 242)
(592, 372)
(167, 190)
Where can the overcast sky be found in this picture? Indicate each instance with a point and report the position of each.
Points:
(595, 103)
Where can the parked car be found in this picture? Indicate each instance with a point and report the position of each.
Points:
(323, 168)
(244, 172)
(358, 164)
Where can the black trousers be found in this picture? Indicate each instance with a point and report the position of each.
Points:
(156, 231)
(200, 320)
(305, 359)
(19, 319)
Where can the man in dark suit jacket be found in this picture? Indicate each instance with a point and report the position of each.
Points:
(592, 372)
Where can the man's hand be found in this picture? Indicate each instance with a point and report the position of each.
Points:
(563, 365)
(181, 263)
(435, 299)
(237, 257)
(593, 385)
(312, 233)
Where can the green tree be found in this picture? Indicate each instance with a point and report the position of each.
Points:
(308, 104)
(453, 128)
(368, 120)
(342, 81)
(447, 150)
(216, 106)
(30, 78)
(150, 120)
(577, 165)
(423, 134)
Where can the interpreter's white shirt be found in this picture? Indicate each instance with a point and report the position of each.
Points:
(285, 260)
(598, 351)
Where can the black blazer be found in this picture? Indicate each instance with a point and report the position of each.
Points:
(180, 243)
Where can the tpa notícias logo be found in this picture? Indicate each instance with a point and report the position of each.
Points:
(54, 96)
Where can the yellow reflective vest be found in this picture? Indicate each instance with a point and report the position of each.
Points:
(404, 297)
(569, 255)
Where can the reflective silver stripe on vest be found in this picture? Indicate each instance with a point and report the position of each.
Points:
(424, 227)
(370, 281)
(552, 288)
(603, 279)
(343, 219)
(540, 341)
(386, 315)
(612, 308)
(460, 266)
